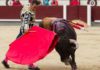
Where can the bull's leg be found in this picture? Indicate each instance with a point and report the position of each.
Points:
(63, 47)
(67, 60)
(72, 62)
(74, 46)
(62, 52)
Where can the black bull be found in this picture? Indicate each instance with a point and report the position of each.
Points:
(66, 45)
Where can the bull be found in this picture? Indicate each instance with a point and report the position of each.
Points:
(67, 43)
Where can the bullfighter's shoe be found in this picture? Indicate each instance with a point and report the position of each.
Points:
(5, 64)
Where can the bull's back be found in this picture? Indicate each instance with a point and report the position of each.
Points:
(70, 31)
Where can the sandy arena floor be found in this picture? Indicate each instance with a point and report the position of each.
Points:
(87, 55)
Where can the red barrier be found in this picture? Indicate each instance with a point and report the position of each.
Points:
(73, 12)
(9, 12)
(96, 13)
(77, 12)
(83, 13)
(49, 11)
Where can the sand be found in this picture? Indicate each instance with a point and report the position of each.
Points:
(87, 55)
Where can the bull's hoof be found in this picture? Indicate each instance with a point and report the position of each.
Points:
(67, 61)
(74, 67)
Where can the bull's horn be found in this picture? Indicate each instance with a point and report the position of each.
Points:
(74, 42)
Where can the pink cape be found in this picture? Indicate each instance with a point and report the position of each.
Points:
(32, 46)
